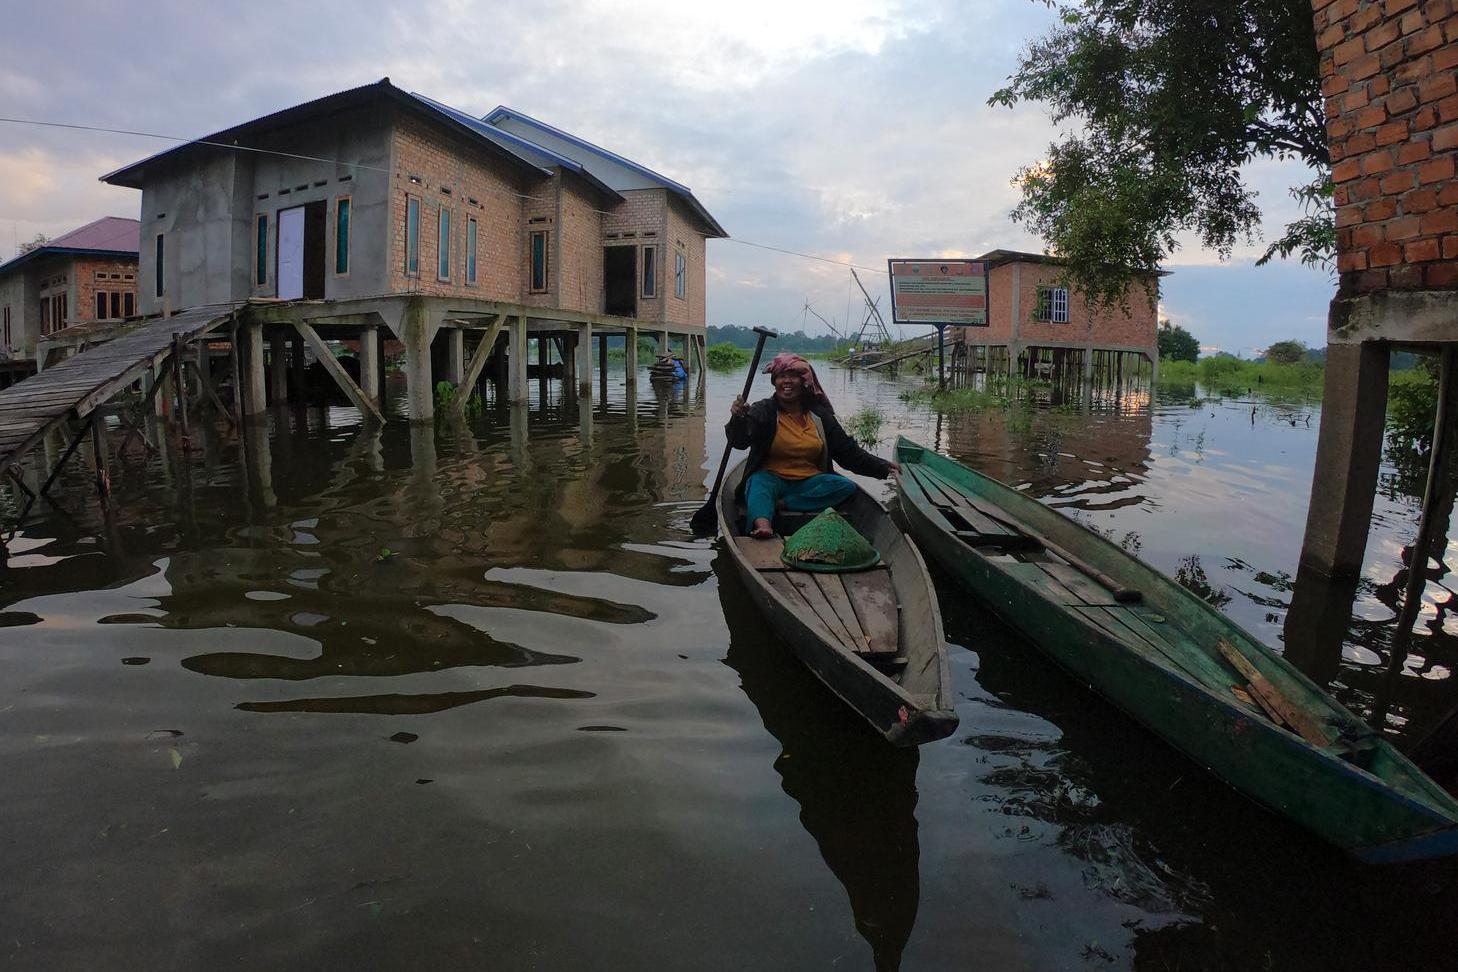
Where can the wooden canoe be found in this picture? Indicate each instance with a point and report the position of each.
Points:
(874, 637)
(1175, 664)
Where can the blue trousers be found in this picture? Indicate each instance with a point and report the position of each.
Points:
(765, 490)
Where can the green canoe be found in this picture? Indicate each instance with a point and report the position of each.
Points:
(1175, 664)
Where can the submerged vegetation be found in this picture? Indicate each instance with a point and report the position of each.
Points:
(865, 426)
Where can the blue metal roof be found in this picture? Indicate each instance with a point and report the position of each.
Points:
(502, 113)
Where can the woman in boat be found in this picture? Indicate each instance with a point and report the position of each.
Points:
(792, 437)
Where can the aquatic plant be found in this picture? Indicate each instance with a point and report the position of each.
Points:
(445, 392)
(1229, 375)
(725, 356)
(865, 426)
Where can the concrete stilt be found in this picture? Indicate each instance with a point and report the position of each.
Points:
(369, 363)
(688, 353)
(584, 359)
(251, 364)
(602, 361)
(569, 360)
(516, 361)
(663, 346)
(1348, 453)
(630, 356)
(417, 331)
(277, 369)
(455, 355)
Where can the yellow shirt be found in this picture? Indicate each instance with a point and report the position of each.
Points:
(795, 452)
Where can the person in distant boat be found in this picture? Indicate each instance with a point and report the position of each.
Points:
(792, 437)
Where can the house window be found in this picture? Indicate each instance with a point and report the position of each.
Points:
(680, 276)
(116, 303)
(412, 235)
(5, 317)
(1052, 305)
(341, 235)
(129, 304)
(260, 250)
(470, 250)
(443, 246)
(100, 304)
(539, 262)
(650, 271)
(161, 280)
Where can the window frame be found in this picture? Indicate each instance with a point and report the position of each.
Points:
(412, 235)
(160, 269)
(1052, 304)
(129, 304)
(473, 236)
(115, 306)
(648, 286)
(680, 275)
(260, 250)
(546, 265)
(101, 305)
(343, 220)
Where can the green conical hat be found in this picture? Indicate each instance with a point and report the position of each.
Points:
(829, 543)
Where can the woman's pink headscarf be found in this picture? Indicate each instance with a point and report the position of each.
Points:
(787, 361)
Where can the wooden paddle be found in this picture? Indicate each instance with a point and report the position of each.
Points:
(706, 520)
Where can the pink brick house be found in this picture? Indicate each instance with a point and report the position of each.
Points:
(1034, 319)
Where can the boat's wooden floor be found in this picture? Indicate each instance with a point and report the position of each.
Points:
(858, 609)
(1060, 582)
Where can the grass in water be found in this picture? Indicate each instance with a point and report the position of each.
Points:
(1224, 374)
(865, 426)
(725, 356)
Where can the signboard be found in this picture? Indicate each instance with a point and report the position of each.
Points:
(939, 292)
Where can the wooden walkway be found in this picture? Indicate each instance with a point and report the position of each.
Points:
(75, 387)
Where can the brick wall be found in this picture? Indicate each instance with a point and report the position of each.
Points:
(1389, 71)
(1014, 292)
(84, 271)
(479, 187)
(579, 238)
(642, 217)
(683, 236)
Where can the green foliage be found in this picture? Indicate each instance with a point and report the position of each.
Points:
(1177, 344)
(725, 356)
(744, 337)
(474, 406)
(1412, 408)
(1227, 374)
(1286, 352)
(1165, 102)
(865, 426)
(445, 392)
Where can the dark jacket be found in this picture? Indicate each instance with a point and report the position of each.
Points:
(755, 431)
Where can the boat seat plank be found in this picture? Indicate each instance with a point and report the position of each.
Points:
(1049, 588)
(762, 554)
(1088, 590)
(804, 582)
(951, 501)
(833, 587)
(1188, 656)
(873, 598)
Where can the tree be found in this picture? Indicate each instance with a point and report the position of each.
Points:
(1167, 101)
(1176, 343)
(40, 240)
(1286, 352)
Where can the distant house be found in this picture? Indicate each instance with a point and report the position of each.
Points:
(1034, 316)
(88, 274)
(378, 191)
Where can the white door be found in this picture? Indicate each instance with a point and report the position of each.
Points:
(291, 253)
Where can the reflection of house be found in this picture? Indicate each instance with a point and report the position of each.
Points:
(376, 191)
(1035, 321)
(87, 274)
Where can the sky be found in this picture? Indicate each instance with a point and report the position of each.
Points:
(850, 130)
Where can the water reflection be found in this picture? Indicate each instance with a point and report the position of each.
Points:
(857, 795)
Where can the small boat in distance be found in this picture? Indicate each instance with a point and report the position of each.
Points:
(874, 637)
(1175, 664)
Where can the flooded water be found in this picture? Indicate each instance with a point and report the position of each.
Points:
(473, 697)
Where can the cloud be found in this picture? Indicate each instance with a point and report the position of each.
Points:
(853, 130)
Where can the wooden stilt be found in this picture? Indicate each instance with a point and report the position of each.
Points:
(179, 379)
(98, 453)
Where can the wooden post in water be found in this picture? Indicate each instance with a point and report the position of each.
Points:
(179, 379)
(297, 368)
(98, 453)
(1417, 566)
(584, 359)
(630, 356)
(516, 378)
(602, 358)
(278, 375)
